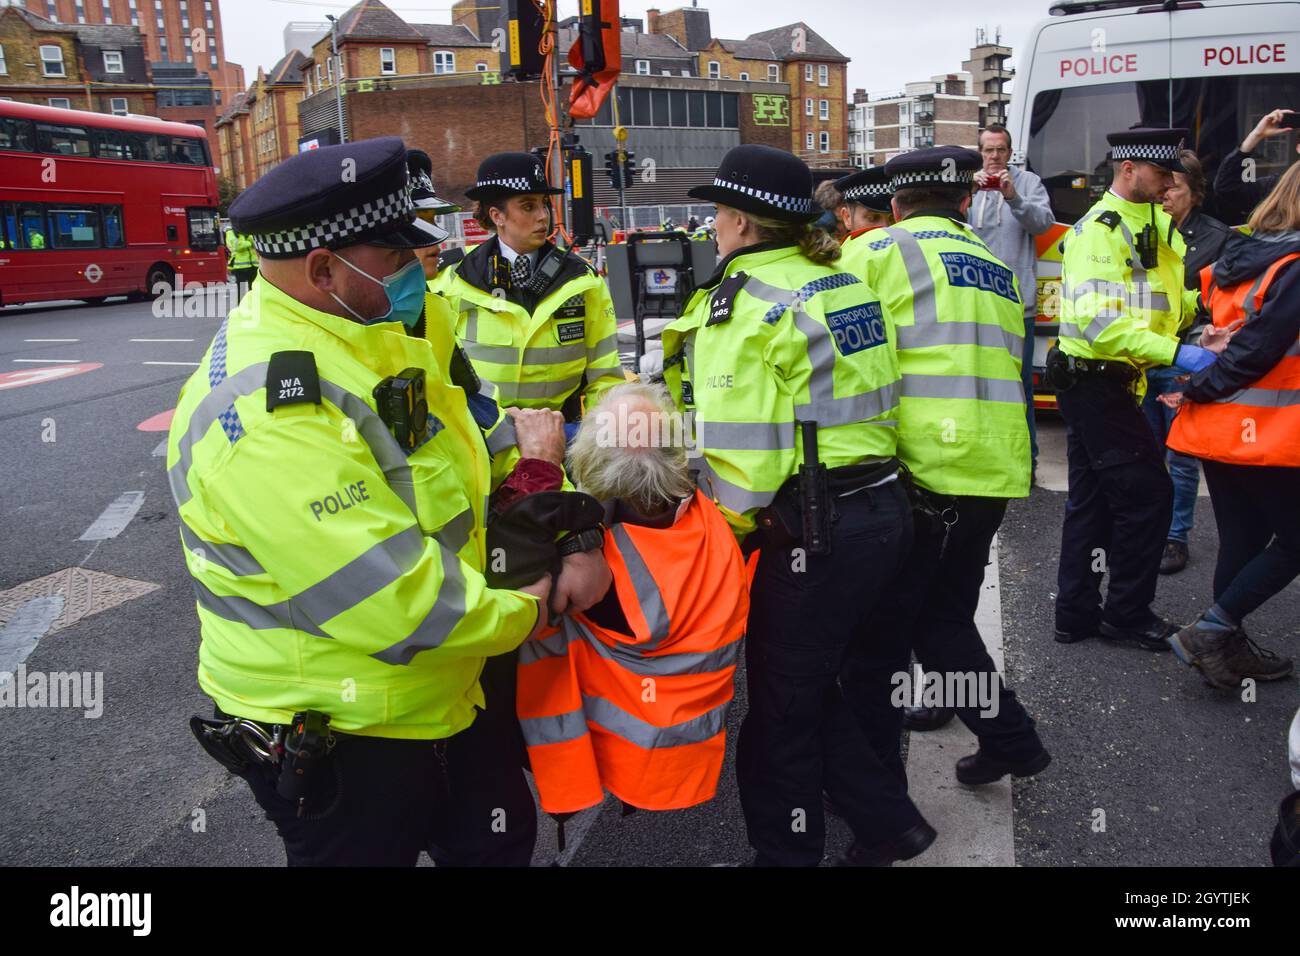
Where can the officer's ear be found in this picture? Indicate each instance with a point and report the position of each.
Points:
(965, 204)
(318, 270)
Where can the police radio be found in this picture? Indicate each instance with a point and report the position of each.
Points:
(402, 406)
(1148, 243)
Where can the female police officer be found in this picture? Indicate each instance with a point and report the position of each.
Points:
(788, 367)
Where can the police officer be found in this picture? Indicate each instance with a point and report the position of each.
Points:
(784, 362)
(331, 484)
(1122, 306)
(866, 201)
(537, 322)
(962, 434)
(428, 206)
(241, 260)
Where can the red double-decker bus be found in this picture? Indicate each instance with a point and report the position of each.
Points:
(93, 205)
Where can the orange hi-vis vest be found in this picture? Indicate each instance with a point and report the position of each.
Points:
(642, 716)
(1258, 425)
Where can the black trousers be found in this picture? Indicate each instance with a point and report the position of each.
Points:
(930, 610)
(1257, 510)
(379, 802)
(800, 737)
(243, 279)
(1118, 510)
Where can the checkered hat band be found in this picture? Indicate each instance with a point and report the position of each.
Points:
(931, 177)
(396, 207)
(788, 203)
(868, 191)
(514, 182)
(1149, 151)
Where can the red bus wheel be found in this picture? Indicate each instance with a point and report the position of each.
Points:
(159, 275)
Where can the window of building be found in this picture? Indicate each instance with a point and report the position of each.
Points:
(185, 16)
(671, 108)
(80, 7)
(823, 75)
(320, 77)
(773, 74)
(162, 46)
(481, 67)
(444, 61)
(744, 76)
(808, 140)
(216, 96)
(3, 68)
(807, 72)
(117, 105)
(113, 61)
(387, 60)
(824, 109)
(825, 141)
(307, 80)
(643, 67)
(135, 12)
(212, 59)
(108, 11)
(52, 60)
(808, 107)
(158, 14)
(715, 70)
(61, 102)
(329, 70)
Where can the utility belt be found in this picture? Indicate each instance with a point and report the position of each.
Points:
(1063, 371)
(804, 510)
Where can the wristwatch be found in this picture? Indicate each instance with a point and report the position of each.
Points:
(587, 540)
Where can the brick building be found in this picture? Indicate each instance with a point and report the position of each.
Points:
(234, 147)
(940, 111)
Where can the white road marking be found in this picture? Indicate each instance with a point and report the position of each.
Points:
(115, 517)
(191, 364)
(48, 361)
(24, 631)
(51, 340)
(160, 340)
(974, 823)
(161, 450)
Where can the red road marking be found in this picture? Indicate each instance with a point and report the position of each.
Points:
(159, 423)
(35, 376)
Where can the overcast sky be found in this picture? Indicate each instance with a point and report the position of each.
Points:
(890, 43)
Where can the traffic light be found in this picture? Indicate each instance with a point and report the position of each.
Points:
(612, 170)
(629, 169)
(524, 27)
(582, 205)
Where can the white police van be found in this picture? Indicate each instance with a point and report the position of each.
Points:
(1212, 66)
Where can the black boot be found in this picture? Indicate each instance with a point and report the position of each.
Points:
(922, 719)
(906, 845)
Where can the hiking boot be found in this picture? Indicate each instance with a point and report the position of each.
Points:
(1248, 659)
(1175, 557)
(1207, 649)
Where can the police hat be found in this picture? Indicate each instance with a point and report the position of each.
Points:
(953, 166)
(510, 174)
(1158, 146)
(765, 181)
(420, 167)
(331, 198)
(869, 186)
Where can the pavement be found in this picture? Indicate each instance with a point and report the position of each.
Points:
(1150, 765)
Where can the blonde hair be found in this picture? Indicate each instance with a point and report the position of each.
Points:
(816, 244)
(1280, 210)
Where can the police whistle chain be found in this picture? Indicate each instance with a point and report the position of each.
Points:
(814, 494)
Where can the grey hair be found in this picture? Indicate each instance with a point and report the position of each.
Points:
(635, 457)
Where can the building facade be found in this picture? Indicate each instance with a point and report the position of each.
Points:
(934, 112)
(990, 75)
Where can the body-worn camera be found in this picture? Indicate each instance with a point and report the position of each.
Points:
(402, 406)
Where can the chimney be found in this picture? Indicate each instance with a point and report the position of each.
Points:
(652, 20)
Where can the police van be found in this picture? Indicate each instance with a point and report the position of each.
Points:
(1212, 66)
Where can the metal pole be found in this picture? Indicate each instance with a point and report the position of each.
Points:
(338, 74)
(557, 160)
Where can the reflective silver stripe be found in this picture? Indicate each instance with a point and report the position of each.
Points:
(959, 333)
(206, 414)
(1249, 305)
(454, 535)
(446, 613)
(539, 731)
(508, 391)
(500, 354)
(1265, 397)
(745, 436)
(963, 386)
(502, 436)
(769, 293)
(1139, 270)
(388, 454)
(647, 591)
(551, 354)
(230, 557)
(731, 496)
(471, 325)
(628, 656)
(649, 736)
(1100, 321)
(614, 371)
(539, 649)
(918, 275)
(602, 348)
(852, 409)
(1096, 287)
(259, 617)
(365, 575)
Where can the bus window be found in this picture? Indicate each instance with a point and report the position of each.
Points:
(113, 237)
(156, 149)
(187, 152)
(16, 133)
(62, 140)
(8, 227)
(203, 228)
(121, 144)
(31, 227)
(74, 228)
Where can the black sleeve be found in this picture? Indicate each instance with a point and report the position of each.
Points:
(1258, 345)
(1231, 186)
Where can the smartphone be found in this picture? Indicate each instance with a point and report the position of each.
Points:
(1289, 121)
(994, 181)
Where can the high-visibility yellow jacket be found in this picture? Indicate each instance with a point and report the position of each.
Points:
(960, 329)
(1112, 307)
(335, 571)
(537, 358)
(802, 342)
(242, 255)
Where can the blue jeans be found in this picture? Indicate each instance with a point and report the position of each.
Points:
(1185, 471)
(1027, 374)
